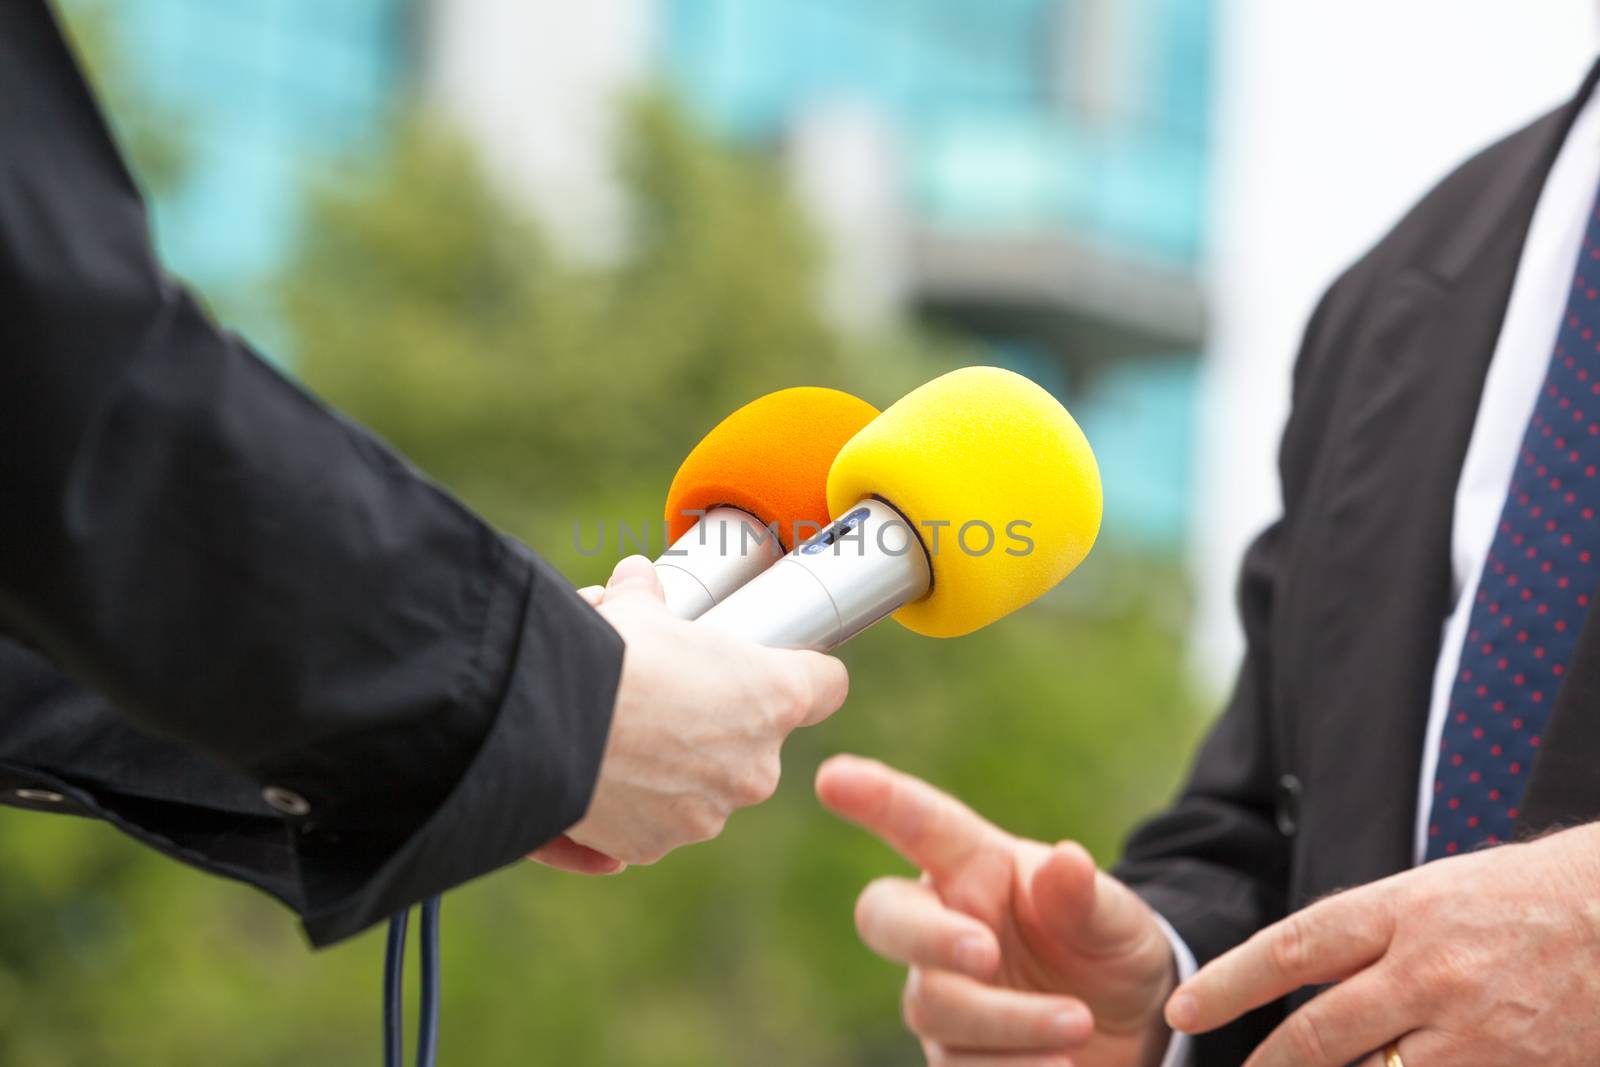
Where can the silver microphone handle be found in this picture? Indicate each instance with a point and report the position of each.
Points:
(864, 566)
(717, 555)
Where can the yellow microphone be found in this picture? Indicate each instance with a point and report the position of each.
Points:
(751, 489)
(970, 497)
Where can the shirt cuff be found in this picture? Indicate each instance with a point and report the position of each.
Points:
(1179, 1045)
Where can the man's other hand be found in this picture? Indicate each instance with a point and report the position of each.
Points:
(1479, 960)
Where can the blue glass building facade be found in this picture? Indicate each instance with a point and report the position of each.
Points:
(263, 93)
(1002, 129)
(1053, 153)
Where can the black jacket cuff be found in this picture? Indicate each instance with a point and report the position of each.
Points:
(530, 780)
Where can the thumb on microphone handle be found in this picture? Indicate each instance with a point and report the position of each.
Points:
(634, 576)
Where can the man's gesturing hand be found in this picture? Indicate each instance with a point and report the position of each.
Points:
(1475, 961)
(1020, 953)
(699, 721)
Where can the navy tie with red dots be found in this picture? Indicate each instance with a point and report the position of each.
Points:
(1534, 591)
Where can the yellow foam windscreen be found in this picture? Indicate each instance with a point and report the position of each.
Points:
(996, 478)
(770, 459)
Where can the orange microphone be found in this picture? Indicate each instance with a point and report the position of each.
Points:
(983, 456)
(753, 488)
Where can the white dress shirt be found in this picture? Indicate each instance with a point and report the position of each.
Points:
(1517, 369)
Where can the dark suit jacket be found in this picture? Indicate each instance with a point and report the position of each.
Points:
(1308, 782)
(213, 584)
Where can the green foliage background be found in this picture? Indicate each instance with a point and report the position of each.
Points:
(549, 395)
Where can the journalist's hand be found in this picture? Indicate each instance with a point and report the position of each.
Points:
(699, 723)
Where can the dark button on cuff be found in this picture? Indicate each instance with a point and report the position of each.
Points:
(1287, 814)
(286, 801)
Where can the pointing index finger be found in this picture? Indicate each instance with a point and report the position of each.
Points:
(1326, 942)
(930, 828)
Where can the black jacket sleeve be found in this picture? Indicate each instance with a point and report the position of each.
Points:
(230, 568)
(1216, 864)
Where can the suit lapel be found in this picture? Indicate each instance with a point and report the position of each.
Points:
(1398, 445)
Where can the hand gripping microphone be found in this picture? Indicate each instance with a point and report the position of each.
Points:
(761, 471)
(968, 498)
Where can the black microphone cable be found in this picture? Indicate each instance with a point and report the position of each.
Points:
(394, 968)
(394, 972)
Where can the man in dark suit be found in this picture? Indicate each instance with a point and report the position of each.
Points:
(239, 628)
(1418, 713)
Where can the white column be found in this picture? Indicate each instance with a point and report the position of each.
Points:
(536, 85)
(846, 171)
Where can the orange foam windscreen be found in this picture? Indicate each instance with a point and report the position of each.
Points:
(769, 459)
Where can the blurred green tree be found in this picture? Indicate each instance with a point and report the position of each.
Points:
(440, 316)
(549, 394)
